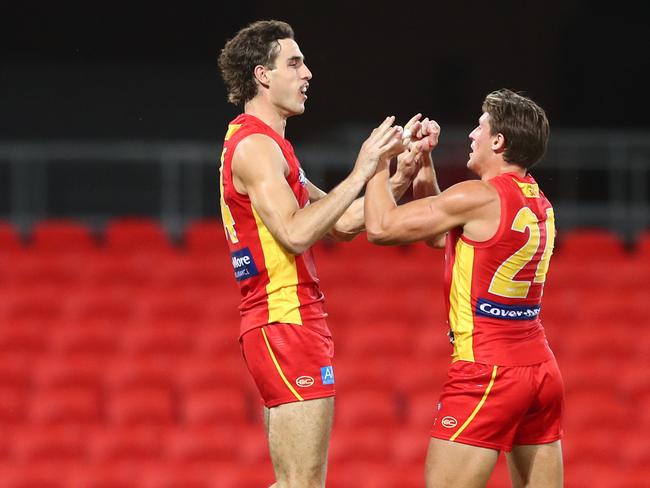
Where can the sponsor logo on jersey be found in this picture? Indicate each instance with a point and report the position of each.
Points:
(243, 264)
(301, 177)
(530, 190)
(449, 422)
(495, 310)
(327, 375)
(304, 381)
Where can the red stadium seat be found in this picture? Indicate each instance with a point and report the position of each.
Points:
(593, 409)
(13, 405)
(375, 474)
(421, 409)
(210, 371)
(215, 407)
(95, 339)
(363, 443)
(202, 444)
(56, 444)
(59, 406)
(589, 243)
(408, 447)
(22, 337)
(205, 235)
(142, 406)
(15, 371)
(9, 238)
(643, 245)
(135, 372)
(106, 475)
(34, 306)
(126, 443)
(367, 408)
(102, 304)
(173, 306)
(422, 375)
(33, 475)
(159, 340)
(253, 445)
(58, 372)
(166, 475)
(375, 373)
(62, 235)
(136, 234)
(196, 272)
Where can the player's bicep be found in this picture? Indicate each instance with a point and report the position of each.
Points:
(259, 165)
(422, 219)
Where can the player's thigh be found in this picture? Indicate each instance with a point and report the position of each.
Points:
(299, 434)
(536, 466)
(451, 465)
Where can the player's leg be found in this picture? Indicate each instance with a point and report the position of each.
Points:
(299, 435)
(292, 368)
(536, 466)
(536, 457)
(451, 464)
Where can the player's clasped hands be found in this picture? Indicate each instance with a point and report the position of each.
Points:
(419, 138)
(385, 142)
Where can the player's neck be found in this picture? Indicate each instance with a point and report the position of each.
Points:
(502, 168)
(267, 114)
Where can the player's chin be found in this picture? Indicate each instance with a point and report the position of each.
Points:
(297, 109)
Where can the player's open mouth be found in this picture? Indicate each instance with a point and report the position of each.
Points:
(303, 90)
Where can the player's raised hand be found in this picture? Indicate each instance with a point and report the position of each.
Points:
(427, 135)
(384, 142)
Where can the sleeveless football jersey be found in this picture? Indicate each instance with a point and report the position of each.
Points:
(275, 285)
(494, 288)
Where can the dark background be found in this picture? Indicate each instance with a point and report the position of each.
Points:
(112, 71)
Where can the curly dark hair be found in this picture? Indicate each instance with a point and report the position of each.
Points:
(255, 44)
(523, 124)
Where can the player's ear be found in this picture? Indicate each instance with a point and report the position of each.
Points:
(261, 75)
(498, 142)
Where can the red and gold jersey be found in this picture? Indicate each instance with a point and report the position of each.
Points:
(494, 288)
(275, 285)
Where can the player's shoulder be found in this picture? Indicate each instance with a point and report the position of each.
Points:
(473, 189)
(257, 152)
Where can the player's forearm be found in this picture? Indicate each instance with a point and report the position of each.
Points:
(425, 183)
(311, 223)
(379, 201)
(352, 222)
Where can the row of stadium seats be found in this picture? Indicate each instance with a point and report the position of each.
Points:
(141, 233)
(120, 367)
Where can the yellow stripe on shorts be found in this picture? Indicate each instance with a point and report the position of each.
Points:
(277, 366)
(478, 407)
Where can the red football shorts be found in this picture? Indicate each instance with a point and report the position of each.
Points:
(500, 406)
(289, 363)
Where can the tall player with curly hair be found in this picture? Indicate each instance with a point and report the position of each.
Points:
(272, 215)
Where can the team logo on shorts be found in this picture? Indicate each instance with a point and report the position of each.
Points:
(327, 375)
(305, 381)
(449, 422)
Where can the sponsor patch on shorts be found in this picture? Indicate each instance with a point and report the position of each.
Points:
(495, 310)
(243, 264)
(327, 375)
